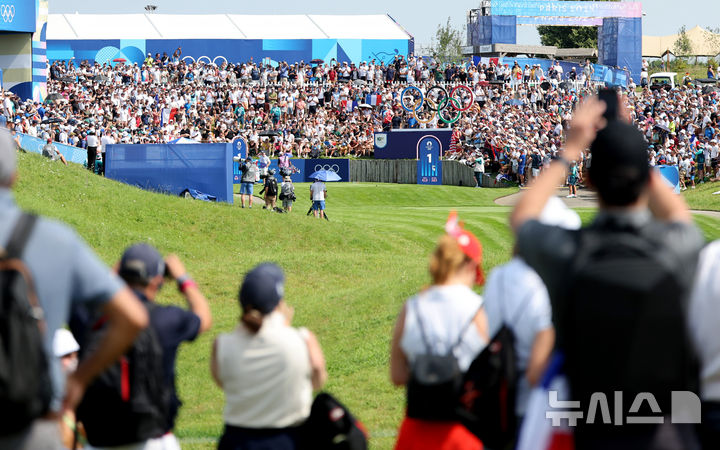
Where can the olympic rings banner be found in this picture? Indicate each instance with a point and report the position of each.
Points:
(18, 15)
(302, 168)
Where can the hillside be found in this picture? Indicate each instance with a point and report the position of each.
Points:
(346, 278)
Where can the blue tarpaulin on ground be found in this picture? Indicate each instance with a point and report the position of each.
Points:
(173, 168)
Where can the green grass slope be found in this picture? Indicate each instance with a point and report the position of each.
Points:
(346, 278)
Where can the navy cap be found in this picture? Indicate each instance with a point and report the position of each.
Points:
(263, 288)
(141, 263)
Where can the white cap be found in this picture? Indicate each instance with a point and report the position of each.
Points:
(557, 214)
(64, 343)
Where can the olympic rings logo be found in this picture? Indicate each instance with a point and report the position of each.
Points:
(7, 12)
(332, 168)
(437, 103)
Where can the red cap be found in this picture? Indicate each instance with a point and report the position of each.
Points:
(469, 244)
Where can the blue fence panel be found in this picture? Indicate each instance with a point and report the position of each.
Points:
(173, 168)
(35, 145)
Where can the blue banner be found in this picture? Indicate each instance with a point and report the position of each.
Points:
(339, 166)
(671, 176)
(403, 144)
(173, 168)
(429, 169)
(18, 15)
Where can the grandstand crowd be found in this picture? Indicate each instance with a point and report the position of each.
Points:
(525, 124)
(333, 110)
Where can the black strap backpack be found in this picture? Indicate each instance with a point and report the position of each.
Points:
(433, 388)
(489, 391)
(25, 388)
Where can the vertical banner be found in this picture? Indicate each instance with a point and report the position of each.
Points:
(239, 148)
(429, 169)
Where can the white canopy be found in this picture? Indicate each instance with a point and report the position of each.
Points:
(221, 26)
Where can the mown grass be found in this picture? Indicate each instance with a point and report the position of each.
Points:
(346, 278)
(702, 197)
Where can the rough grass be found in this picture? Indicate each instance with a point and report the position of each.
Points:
(346, 278)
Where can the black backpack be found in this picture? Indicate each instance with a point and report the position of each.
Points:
(25, 388)
(272, 186)
(330, 426)
(487, 399)
(623, 321)
(433, 388)
(130, 401)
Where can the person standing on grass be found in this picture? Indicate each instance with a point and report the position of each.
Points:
(448, 317)
(572, 180)
(619, 288)
(287, 194)
(247, 181)
(64, 272)
(318, 194)
(479, 170)
(92, 147)
(143, 269)
(266, 368)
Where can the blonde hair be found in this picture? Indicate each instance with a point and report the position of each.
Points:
(446, 260)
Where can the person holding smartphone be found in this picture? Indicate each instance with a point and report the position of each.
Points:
(145, 271)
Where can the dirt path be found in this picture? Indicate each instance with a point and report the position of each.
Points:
(585, 199)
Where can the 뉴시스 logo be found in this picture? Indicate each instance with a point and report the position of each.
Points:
(685, 408)
(380, 140)
(332, 168)
(7, 12)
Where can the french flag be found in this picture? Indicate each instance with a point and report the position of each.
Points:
(537, 432)
(373, 99)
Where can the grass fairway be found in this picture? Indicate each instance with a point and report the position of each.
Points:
(346, 278)
(702, 197)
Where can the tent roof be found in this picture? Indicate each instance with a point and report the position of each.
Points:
(704, 43)
(221, 26)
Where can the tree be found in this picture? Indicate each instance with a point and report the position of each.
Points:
(682, 46)
(446, 46)
(569, 37)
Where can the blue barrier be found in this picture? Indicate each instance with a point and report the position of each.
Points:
(173, 168)
(671, 176)
(35, 145)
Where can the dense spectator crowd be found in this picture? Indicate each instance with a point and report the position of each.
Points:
(516, 124)
(306, 109)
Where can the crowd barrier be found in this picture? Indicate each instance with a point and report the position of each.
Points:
(35, 145)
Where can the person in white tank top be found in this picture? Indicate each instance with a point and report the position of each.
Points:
(266, 368)
(451, 317)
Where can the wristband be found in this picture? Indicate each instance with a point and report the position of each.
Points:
(187, 284)
(182, 279)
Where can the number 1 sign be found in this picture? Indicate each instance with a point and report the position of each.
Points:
(429, 167)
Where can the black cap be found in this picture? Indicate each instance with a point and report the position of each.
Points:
(141, 263)
(263, 288)
(620, 167)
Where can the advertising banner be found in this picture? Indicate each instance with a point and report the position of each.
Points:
(545, 8)
(18, 15)
(429, 168)
(403, 144)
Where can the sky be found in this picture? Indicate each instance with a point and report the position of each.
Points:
(419, 17)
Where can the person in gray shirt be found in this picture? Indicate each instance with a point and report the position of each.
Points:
(611, 340)
(65, 271)
(50, 151)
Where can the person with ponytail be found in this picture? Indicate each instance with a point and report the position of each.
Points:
(267, 369)
(446, 317)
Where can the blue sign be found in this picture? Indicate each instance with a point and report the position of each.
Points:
(18, 15)
(671, 176)
(429, 168)
(545, 8)
(240, 147)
